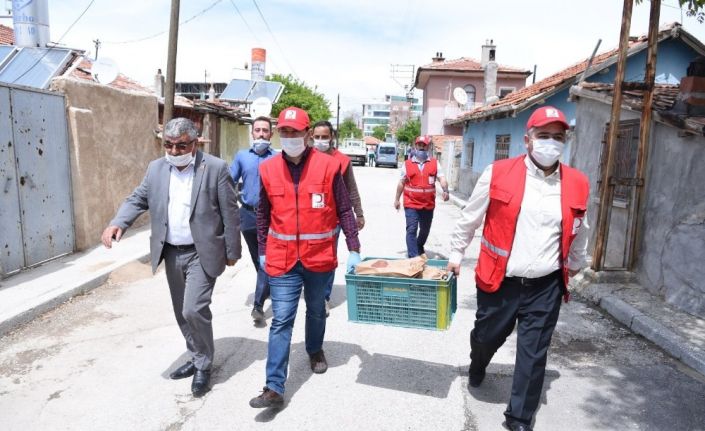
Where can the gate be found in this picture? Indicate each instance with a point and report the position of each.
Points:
(36, 215)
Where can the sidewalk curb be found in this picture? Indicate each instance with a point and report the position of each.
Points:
(641, 324)
(44, 288)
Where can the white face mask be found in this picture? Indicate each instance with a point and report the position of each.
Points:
(293, 146)
(321, 144)
(179, 161)
(546, 152)
(260, 145)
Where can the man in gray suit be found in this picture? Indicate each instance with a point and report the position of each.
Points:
(195, 230)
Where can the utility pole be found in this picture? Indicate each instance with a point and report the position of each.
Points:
(607, 190)
(337, 116)
(171, 62)
(96, 42)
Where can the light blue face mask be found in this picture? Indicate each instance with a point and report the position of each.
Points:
(260, 145)
(421, 155)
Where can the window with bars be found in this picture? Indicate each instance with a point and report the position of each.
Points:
(501, 149)
(627, 146)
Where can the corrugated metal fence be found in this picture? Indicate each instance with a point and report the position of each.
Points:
(36, 216)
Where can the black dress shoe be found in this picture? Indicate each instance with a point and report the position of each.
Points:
(516, 426)
(183, 371)
(476, 377)
(201, 379)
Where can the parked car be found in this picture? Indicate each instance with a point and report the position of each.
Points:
(386, 155)
(355, 149)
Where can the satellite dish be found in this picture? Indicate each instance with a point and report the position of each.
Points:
(260, 107)
(104, 70)
(460, 95)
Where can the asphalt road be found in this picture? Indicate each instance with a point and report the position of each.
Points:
(101, 361)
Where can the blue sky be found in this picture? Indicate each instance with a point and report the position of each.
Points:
(348, 47)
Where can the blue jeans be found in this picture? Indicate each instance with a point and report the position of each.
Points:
(286, 291)
(418, 225)
(329, 286)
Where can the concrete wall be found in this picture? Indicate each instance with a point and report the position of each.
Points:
(112, 141)
(671, 251)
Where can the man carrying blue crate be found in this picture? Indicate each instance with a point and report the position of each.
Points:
(534, 239)
(303, 199)
(418, 183)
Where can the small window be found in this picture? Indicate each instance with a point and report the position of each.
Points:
(501, 149)
(503, 91)
(470, 91)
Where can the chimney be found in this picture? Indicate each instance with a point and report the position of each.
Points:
(259, 59)
(438, 58)
(488, 52)
(30, 21)
(159, 83)
(490, 67)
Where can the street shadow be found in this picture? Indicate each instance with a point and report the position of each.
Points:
(407, 375)
(232, 355)
(634, 384)
(497, 386)
(339, 295)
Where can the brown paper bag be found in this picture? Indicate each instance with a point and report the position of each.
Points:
(408, 268)
(434, 273)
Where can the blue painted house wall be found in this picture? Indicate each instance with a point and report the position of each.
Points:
(673, 59)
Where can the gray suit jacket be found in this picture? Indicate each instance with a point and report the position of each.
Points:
(215, 219)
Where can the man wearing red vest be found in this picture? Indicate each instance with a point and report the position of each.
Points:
(534, 239)
(418, 183)
(302, 201)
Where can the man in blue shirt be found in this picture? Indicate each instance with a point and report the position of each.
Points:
(246, 167)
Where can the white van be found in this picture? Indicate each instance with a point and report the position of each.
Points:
(386, 155)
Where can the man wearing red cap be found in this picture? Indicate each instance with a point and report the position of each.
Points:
(534, 239)
(418, 183)
(302, 200)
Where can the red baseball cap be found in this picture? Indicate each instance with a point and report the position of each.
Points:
(546, 115)
(293, 117)
(423, 139)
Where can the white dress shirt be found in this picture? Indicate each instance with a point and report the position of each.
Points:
(536, 248)
(178, 231)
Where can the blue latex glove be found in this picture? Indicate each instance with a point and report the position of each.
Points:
(261, 261)
(353, 259)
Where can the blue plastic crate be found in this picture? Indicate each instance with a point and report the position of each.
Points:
(397, 301)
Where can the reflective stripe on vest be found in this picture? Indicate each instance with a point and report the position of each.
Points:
(496, 250)
(303, 236)
(415, 190)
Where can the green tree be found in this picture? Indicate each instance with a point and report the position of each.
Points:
(347, 128)
(297, 93)
(409, 131)
(379, 132)
(694, 8)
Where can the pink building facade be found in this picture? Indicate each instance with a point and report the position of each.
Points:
(439, 79)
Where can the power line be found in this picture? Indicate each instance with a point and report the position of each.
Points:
(245, 21)
(254, 34)
(275, 39)
(142, 39)
(57, 42)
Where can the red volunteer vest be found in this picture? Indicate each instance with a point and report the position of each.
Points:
(420, 190)
(506, 194)
(342, 159)
(302, 221)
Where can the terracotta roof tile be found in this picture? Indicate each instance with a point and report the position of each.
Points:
(7, 35)
(468, 64)
(553, 82)
(122, 82)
